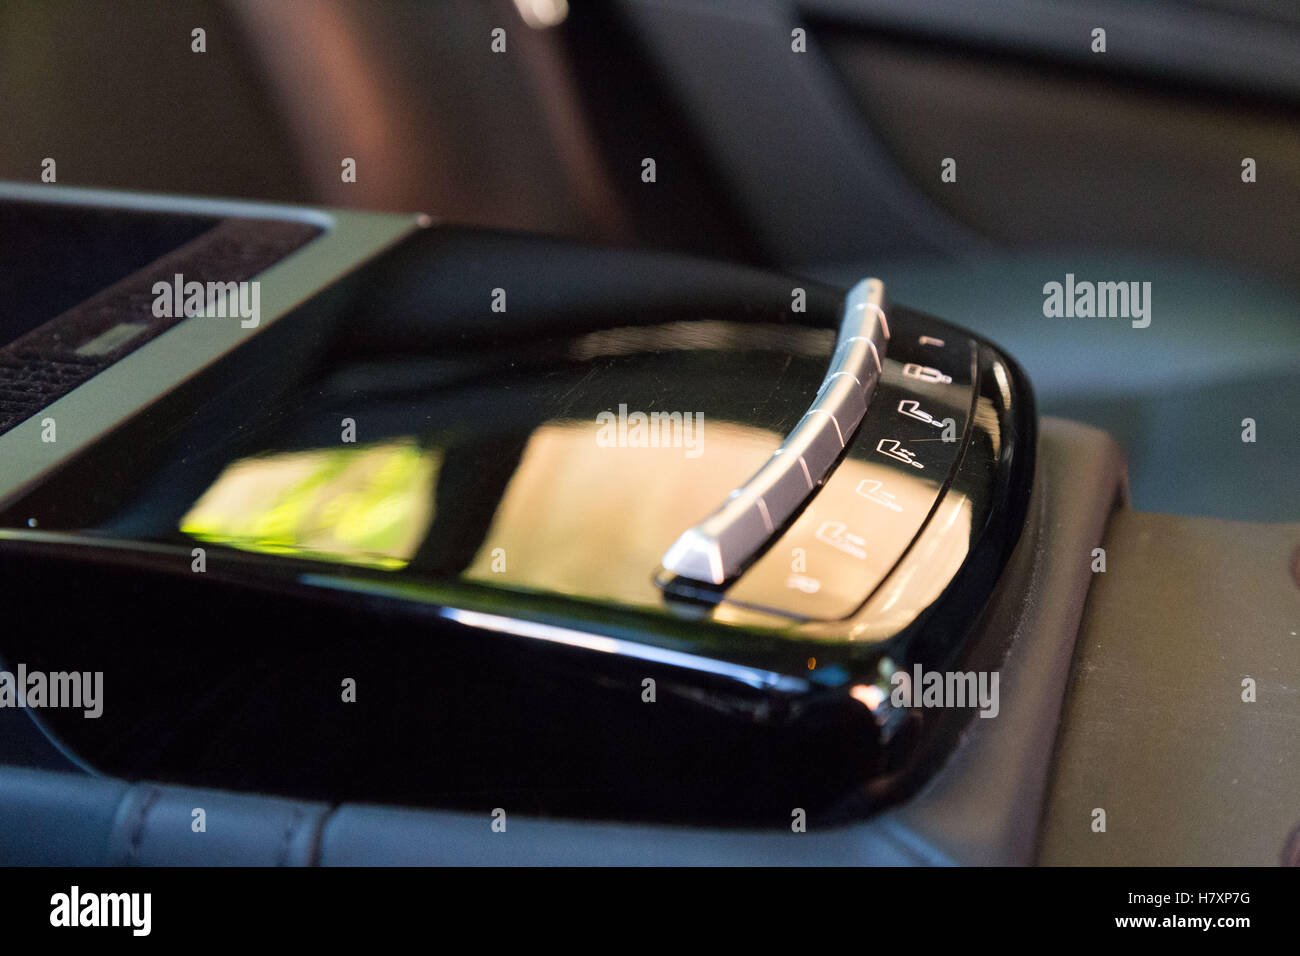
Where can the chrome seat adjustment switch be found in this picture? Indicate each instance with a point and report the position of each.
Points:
(718, 548)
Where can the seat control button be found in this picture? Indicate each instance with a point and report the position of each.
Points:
(720, 546)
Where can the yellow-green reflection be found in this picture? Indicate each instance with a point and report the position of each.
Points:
(369, 505)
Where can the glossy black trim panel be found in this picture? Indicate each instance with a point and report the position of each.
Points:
(532, 682)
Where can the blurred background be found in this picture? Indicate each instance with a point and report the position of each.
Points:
(807, 137)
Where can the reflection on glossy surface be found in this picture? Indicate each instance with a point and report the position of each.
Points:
(606, 645)
(703, 335)
(486, 469)
(553, 499)
(519, 468)
(368, 505)
(591, 520)
(922, 576)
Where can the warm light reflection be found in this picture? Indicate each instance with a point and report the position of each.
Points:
(581, 518)
(699, 335)
(369, 505)
(868, 694)
(540, 14)
(922, 576)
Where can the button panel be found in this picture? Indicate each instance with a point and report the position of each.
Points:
(861, 522)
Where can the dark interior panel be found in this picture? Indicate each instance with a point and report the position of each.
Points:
(1051, 155)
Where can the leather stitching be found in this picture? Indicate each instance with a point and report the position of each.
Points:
(148, 797)
(286, 840)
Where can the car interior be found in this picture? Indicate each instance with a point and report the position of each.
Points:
(697, 432)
